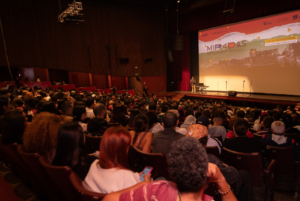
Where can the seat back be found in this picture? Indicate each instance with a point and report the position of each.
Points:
(285, 158)
(85, 194)
(92, 143)
(32, 160)
(138, 160)
(294, 136)
(214, 151)
(252, 162)
(60, 175)
(219, 137)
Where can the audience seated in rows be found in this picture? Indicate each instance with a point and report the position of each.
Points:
(241, 143)
(189, 170)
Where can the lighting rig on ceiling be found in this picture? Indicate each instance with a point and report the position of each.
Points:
(229, 11)
(72, 13)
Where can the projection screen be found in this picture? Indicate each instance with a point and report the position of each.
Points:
(261, 55)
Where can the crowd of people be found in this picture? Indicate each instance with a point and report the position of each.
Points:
(54, 123)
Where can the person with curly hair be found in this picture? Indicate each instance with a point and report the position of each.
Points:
(13, 125)
(189, 170)
(140, 137)
(41, 135)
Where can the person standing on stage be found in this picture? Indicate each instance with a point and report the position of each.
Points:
(193, 84)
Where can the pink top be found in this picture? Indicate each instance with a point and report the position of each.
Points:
(158, 190)
(231, 135)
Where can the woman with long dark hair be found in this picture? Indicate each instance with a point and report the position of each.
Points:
(140, 136)
(79, 115)
(111, 172)
(133, 114)
(70, 149)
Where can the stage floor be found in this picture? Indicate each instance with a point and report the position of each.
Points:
(241, 96)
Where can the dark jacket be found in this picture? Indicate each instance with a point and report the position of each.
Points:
(244, 144)
(163, 140)
(284, 142)
(230, 173)
(97, 126)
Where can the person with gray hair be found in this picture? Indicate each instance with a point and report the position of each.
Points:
(277, 139)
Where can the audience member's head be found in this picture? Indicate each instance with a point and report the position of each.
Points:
(79, 113)
(151, 114)
(169, 120)
(13, 125)
(140, 125)
(277, 127)
(287, 119)
(198, 132)
(188, 164)
(240, 127)
(268, 121)
(99, 110)
(48, 106)
(218, 118)
(114, 147)
(133, 114)
(67, 108)
(240, 114)
(164, 108)
(203, 120)
(152, 106)
(69, 145)
(40, 136)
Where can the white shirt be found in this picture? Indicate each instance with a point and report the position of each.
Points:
(109, 180)
(89, 113)
(213, 143)
(158, 127)
(182, 131)
(83, 126)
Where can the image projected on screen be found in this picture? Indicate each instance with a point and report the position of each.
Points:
(261, 55)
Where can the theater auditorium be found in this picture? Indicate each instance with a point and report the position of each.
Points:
(136, 100)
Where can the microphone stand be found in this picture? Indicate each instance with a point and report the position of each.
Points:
(226, 86)
(250, 88)
(218, 88)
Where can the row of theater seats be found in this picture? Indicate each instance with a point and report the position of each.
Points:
(61, 183)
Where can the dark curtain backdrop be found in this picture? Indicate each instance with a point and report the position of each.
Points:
(210, 17)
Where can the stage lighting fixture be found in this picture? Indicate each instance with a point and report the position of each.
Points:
(72, 13)
(229, 11)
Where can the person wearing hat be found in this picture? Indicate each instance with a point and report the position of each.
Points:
(241, 178)
(211, 142)
(277, 139)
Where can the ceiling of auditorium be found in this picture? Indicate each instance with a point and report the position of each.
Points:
(160, 5)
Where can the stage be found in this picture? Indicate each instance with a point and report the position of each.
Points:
(244, 100)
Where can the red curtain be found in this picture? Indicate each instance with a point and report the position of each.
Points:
(185, 65)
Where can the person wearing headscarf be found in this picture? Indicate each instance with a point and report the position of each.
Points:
(189, 120)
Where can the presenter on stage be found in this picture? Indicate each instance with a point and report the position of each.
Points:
(193, 84)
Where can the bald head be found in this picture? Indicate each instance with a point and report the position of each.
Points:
(99, 110)
(278, 127)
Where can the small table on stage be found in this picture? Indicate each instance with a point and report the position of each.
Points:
(202, 87)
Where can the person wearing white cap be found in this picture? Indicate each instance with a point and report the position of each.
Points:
(277, 139)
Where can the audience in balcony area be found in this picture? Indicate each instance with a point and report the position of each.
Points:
(53, 123)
